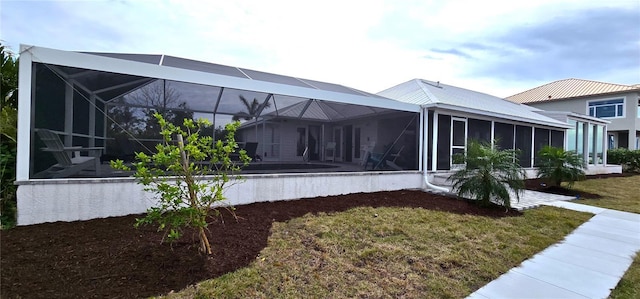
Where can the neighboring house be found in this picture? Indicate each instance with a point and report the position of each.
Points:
(617, 103)
(101, 104)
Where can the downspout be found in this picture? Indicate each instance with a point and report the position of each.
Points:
(424, 129)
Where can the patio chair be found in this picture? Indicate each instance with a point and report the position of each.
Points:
(374, 158)
(69, 161)
(331, 146)
(382, 160)
(392, 162)
(251, 148)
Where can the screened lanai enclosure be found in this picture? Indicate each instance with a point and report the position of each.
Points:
(306, 138)
(84, 117)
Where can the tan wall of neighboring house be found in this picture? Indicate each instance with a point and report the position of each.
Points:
(630, 122)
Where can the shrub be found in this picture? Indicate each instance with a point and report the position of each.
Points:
(557, 166)
(630, 160)
(7, 188)
(186, 199)
(488, 173)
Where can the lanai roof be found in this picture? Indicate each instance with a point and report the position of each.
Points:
(435, 94)
(127, 72)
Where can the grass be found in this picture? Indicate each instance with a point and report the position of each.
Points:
(629, 285)
(621, 194)
(618, 193)
(389, 252)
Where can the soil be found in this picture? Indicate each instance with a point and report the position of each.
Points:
(544, 186)
(108, 257)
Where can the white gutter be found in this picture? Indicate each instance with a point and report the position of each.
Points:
(425, 152)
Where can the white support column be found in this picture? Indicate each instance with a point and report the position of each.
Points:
(68, 114)
(586, 127)
(26, 83)
(605, 144)
(493, 133)
(421, 146)
(533, 146)
(92, 120)
(434, 151)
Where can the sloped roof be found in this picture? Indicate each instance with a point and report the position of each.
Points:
(568, 88)
(429, 93)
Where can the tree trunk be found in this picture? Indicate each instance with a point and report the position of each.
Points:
(193, 197)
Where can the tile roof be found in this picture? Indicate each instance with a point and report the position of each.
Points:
(568, 88)
(430, 93)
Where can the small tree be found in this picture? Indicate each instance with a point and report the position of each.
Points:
(487, 174)
(557, 166)
(8, 135)
(176, 174)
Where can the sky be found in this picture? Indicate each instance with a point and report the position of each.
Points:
(497, 47)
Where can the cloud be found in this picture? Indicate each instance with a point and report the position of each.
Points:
(368, 45)
(581, 44)
(454, 52)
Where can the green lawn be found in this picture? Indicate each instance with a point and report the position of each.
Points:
(621, 194)
(389, 252)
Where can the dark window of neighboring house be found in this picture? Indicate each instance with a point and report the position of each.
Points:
(608, 108)
(444, 142)
(503, 135)
(623, 139)
(479, 130)
(523, 144)
(541, 139)
(557, 138)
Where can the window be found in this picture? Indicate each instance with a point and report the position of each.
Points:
(572, 140)
(444, 142)
(612, 141)
(480, 130)
(540, 140)
(523, 144)
(557, 138)
(458, 138)
(608, 108)
(504, 135)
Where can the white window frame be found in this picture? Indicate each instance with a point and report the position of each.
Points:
(624, 101)
(462, 147)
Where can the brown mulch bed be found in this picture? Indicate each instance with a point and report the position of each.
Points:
(108, 258)
(543, 186)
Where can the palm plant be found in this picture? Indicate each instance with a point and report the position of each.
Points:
(557, 166)
(253, 108)
(488, 174)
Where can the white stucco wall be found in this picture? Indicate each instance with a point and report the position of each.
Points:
(42, 201)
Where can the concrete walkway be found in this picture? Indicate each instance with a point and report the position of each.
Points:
(588, 263)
